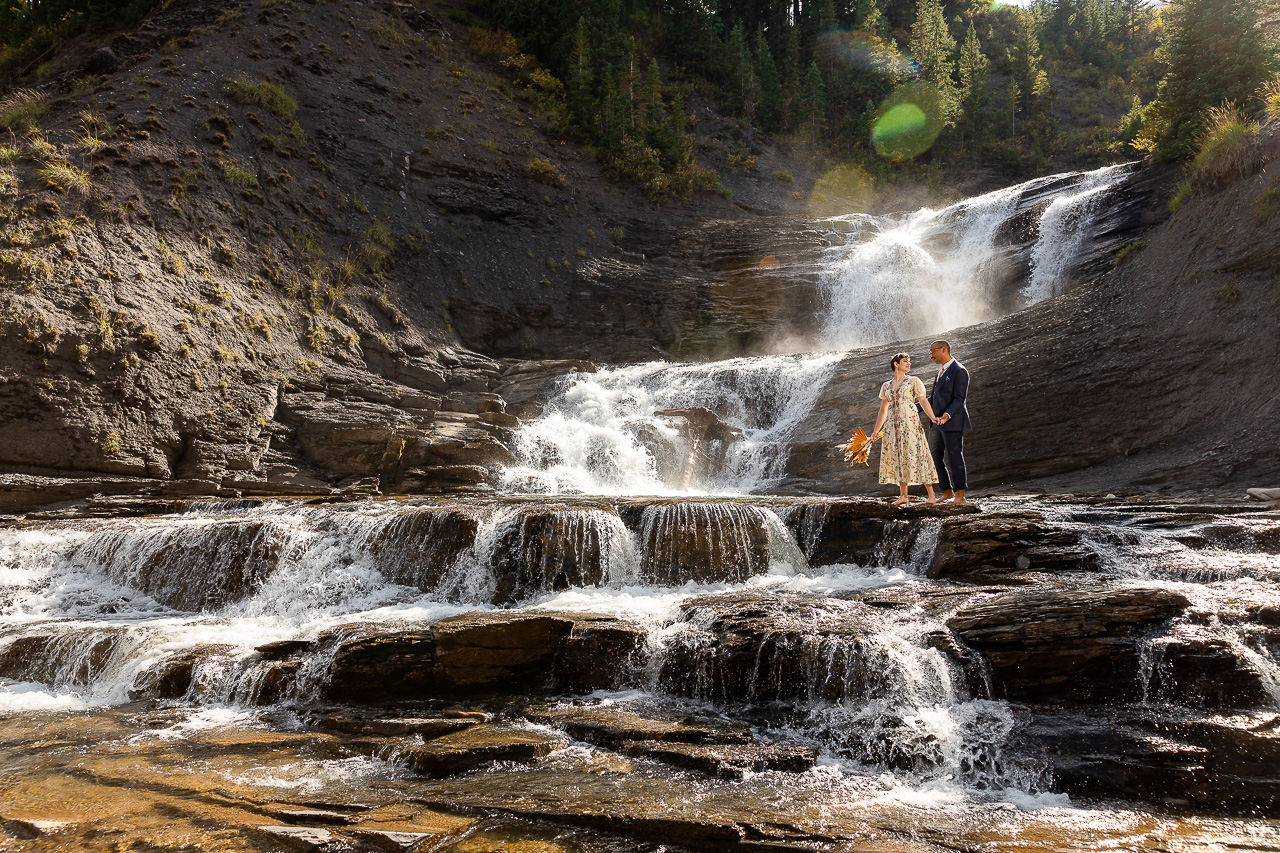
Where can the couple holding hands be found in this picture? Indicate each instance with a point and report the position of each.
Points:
(907, 457)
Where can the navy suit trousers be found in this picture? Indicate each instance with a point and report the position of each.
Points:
(948, 444)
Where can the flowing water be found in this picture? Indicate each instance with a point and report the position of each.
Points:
(896, 277)
(743, 618)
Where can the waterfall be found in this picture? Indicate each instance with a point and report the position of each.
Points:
(1064, 226)
(600, 435)
(905, 276)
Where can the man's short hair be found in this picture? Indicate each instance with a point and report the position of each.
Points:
(936, 344)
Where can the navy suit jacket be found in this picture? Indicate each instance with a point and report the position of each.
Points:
(948, 397)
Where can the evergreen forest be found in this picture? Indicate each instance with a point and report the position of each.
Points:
(938, 84)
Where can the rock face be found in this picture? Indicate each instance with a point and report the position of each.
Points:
(487, 654)
(1059, 645)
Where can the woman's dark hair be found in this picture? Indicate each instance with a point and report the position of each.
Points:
(893, 362)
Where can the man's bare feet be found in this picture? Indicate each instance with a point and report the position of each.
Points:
(959, 496)
(947, 495)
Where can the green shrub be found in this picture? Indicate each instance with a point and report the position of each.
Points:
(266, 95)
(1228, 147)
(544, 171)
(784, 175)
(1124, 255)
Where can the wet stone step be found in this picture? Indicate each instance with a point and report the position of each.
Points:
(451, 754)
(489, 654)
(1003, 547)
(424, 727)
(725, 760)
(608, 726)
(1067, 645)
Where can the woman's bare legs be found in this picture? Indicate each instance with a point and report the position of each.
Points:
(903, 498)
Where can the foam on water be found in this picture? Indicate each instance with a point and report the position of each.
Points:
(599, 435)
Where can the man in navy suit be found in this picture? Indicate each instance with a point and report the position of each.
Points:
(946, 439)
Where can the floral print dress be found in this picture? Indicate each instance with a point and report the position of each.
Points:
(904, 451)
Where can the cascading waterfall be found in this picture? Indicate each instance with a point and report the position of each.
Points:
(900, 277)
(599, 436)
(1064, 226)
(896, 277)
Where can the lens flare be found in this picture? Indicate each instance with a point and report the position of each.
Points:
(908, 121)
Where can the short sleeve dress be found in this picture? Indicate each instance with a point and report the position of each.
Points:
(904, 451)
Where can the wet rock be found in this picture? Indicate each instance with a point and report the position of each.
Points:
(170, 678)
(702, 541)
(73, 657)
(553, 549)
(760, 647)
(1061, 645)
(482, 743)
(311, 817)
(482, 654)
(862, 532)
(418, 546)
(999, 547)
(601, 654)
(298, 838)
(1214, 764)
(29, 829)
(197, 569)
(281, 649)
(1205, 672)
(425, 728)
(607, 725)
(729, 761)
(387, 839)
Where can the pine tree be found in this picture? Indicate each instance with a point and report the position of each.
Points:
(770, 112)
(1215, 51)
(653, 112)
(873, 20)
(1026, 55)
(974, 70)
(814, 101)
(1041, 113)
(741, 88)
(1012, 100)
(931, 48)
(581, 78)
(791, 79)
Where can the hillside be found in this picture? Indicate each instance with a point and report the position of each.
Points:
(232, 208)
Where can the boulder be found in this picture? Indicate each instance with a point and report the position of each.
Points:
(701, 541)
(1065, 645)
(1213, 764)
(610, 725)
(757, 647)
(1002, 547)
(418, 546)
(492, 653)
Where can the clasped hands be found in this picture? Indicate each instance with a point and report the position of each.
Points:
(942, 420)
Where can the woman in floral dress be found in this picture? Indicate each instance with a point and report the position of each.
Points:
(904, 455)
